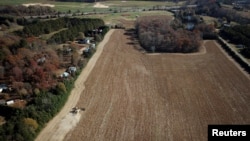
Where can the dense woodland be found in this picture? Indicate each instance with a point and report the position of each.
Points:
(73, 27)
(239, 34)
(157, 35)
(46, 27)
(7, 21)
(28, 70)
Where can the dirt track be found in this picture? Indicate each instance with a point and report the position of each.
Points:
(131, 96)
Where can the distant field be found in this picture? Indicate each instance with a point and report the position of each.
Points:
(113, 8)
(112, 18)
(74, 6)
(61, 6)
(83, 7)
(139, 3)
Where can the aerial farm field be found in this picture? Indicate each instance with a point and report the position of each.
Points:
(131, 95)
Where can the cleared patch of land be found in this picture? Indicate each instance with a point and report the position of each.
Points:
(99, 5)
(167, 97)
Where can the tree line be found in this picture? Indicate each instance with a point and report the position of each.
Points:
(214, 9)
(239, 34)
(20, 10)
(243, 63)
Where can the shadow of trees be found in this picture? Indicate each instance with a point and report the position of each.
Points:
(133, 39)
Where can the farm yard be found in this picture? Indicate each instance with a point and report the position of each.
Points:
(131, 95)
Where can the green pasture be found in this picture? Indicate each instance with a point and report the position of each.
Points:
(146, 4)
(112, 5)
(73, 6)
(88, 7)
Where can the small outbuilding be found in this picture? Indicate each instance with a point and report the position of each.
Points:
(3, 87)
(65, 75)
(72, 70)
(10, 102)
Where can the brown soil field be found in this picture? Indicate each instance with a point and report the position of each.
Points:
(133, 96)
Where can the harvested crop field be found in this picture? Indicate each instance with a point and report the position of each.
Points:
(132, 96)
